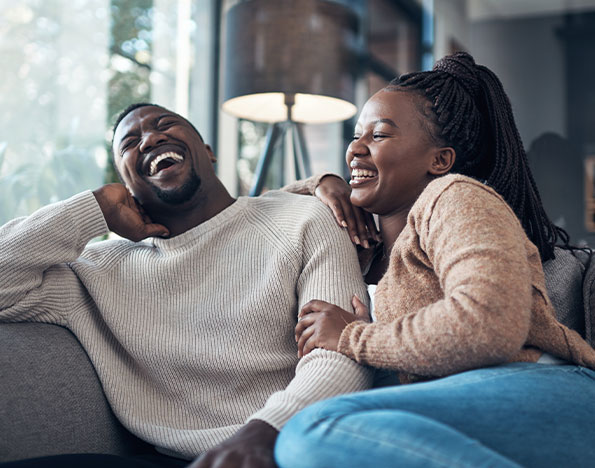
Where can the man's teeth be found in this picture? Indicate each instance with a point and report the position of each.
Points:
(171, 155)
(362, 173)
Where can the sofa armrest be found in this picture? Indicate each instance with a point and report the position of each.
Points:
(51, 401)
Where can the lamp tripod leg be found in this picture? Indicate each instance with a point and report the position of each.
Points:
(274, 132)
(300, 152)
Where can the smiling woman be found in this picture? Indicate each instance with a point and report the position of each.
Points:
(389, 157)
(462, 311)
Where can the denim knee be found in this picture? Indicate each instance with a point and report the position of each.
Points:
(296, 445)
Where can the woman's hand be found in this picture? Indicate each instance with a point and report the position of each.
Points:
(320, 324)
(334, 192)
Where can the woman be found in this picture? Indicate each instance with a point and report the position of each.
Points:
(462, 308)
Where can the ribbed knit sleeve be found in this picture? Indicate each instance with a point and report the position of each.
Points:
(319, 375)
(330, 272)
(458, 292)
(35, 280)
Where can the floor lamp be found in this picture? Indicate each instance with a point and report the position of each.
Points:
(289, 62)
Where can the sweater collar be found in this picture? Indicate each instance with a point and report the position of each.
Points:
(229, 214)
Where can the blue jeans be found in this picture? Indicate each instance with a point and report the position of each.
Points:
(512, 415)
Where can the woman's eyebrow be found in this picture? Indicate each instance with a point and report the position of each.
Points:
(386, 121)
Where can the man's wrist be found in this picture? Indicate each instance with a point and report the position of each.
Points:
(261, 425)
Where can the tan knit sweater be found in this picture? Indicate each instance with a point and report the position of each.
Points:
(464, 289)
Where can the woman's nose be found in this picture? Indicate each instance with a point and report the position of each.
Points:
(358, 148)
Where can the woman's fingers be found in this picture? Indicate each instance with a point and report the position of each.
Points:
(337, 208)
(303, 323)
(309, 345)
(334, 192)
(360, 309)
(305, 337)
(343, 212)
(314, 305)
(355, 232)
(362, 227)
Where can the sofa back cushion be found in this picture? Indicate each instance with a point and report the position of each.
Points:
(589, 302)
(564, 283)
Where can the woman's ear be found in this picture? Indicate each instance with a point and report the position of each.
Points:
(444, 159)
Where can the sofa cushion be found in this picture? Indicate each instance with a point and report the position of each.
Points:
(589, 302)
(51, 399)
(564, 283)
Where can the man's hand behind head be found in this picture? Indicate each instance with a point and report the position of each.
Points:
(124, 215)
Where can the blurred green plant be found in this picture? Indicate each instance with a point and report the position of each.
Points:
(131, 40)
(58, 176)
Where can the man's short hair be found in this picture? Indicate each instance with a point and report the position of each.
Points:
(136, 105)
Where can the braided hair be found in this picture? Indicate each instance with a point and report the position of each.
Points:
(471, 113)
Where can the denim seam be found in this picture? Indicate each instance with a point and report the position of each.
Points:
(403, 445)
(541, 368)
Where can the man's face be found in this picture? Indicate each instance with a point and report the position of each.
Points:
(160, 157)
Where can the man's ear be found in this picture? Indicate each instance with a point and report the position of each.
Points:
(212, 156)
(443, 160)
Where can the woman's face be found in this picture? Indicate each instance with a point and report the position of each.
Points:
(391, 154)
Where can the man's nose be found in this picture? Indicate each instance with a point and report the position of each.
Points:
(151, 139)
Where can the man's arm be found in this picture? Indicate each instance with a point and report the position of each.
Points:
(36, 283)
(331, 273)
(35, 280)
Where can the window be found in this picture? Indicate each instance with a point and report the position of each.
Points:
(69, 67)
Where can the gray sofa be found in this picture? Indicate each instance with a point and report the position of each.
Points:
(53, 403)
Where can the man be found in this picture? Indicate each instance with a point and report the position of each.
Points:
(189, 320)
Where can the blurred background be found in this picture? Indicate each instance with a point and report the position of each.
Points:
(69, 67)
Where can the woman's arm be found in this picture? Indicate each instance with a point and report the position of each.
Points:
(480, 254)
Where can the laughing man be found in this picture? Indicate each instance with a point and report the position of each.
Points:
(189, 320)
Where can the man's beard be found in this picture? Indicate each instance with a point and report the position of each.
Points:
(182, 194)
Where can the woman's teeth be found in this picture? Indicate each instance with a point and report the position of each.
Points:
(362, 173)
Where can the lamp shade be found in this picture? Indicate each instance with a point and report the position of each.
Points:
(299, 48)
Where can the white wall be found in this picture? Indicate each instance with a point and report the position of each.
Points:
(528, 58)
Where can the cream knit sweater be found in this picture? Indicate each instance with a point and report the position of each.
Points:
(190, 336)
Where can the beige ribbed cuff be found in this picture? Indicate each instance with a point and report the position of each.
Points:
(319, 375)
(86, 216)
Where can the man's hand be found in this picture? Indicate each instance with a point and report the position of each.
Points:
(320, 324)
(124, 215)
(251, 447)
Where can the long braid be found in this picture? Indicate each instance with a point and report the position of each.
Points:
(472, 114)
